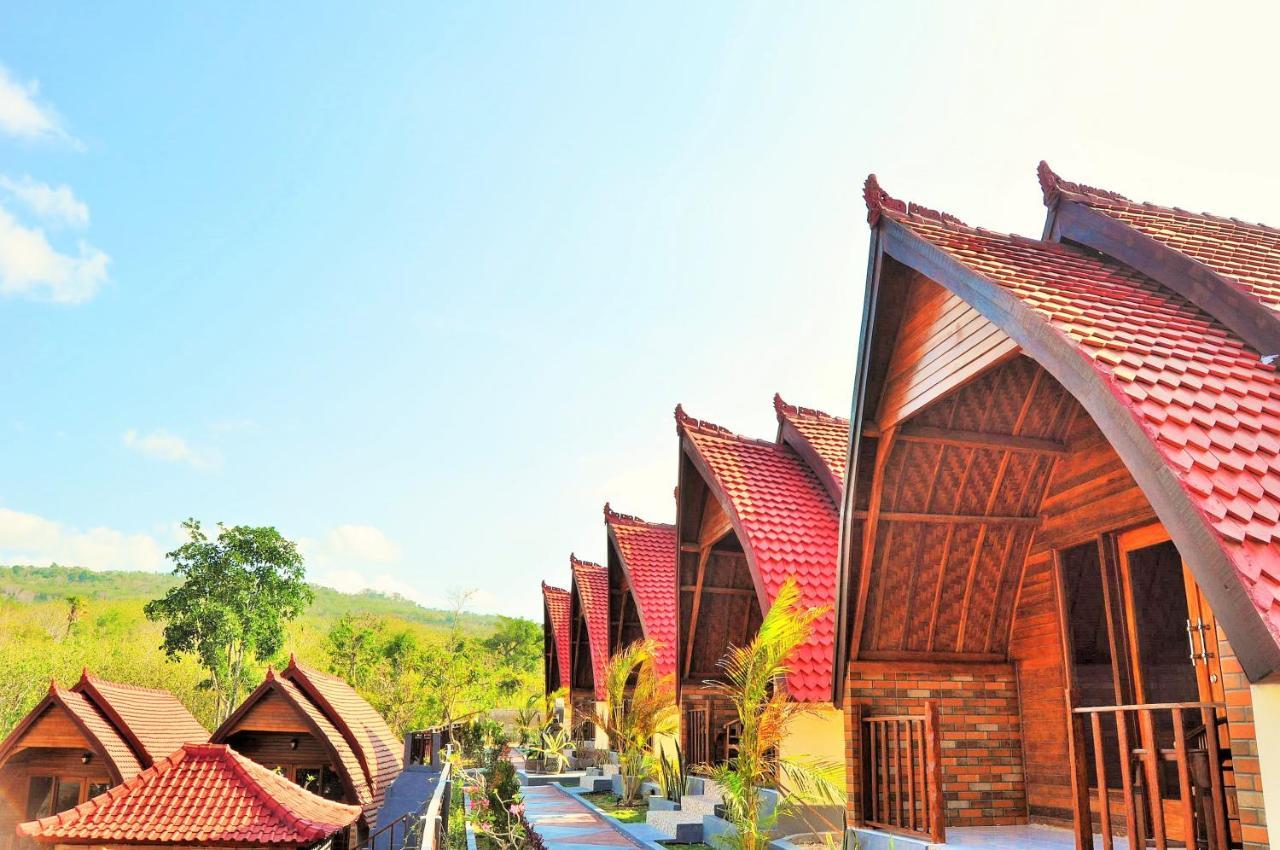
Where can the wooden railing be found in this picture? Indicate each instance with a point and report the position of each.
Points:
(1170, 765)
(902, 773)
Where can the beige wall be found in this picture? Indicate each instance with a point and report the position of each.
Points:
(819, 735)
(602, 739)
(1266, 717)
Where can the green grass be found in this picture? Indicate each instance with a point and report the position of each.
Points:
(608, 802)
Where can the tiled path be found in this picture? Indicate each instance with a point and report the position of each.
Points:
(566, 823)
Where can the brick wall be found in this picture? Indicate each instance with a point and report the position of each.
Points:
(1244, 749)
(982, 774)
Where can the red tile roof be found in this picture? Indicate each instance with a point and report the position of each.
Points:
(1207, 402)
(591, 585)
(826, 436)
(153, 720)
(787, 524)
(203, 794)
(1247, 254)
(100, 730)
(557, 608)
(647, 552)
(379, 750)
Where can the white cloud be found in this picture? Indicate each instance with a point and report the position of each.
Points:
(162, 445)
(21, 115)
(56, 204)
(352, 544)
(31, 539)
(30, 266)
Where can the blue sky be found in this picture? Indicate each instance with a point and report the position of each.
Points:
(421, 286)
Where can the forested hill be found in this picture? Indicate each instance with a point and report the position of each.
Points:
(411, 662)
(56, 583)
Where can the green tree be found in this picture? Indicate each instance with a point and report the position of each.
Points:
(517, 643)
(355, 648)
(75, 608)
(237, 592)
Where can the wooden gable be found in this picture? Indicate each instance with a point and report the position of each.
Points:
(54, 728)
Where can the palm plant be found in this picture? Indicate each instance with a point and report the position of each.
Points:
(753, 683)
(639, 705)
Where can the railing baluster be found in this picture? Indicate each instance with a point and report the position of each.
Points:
(1151, 772)
(1081, 821)
(1131, 826)
(884, 773)
(1100, 769)
(1218, 829)
(897, 776)
(933, 774)
(874, 769)
(1184, 779)
(911, 773)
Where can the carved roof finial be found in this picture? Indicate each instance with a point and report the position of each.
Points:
(878, 200)
(1049, 182)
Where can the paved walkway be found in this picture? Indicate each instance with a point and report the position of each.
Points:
(566, 823)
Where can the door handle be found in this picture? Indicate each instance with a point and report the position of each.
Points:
(1202, 627)
(1191, 642)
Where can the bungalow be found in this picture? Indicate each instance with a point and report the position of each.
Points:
(588, 647)
(1060, 553)
(555, 638)
(315, 730)
(202, 795)
(642, 585)
(77, 742)
(750, 514)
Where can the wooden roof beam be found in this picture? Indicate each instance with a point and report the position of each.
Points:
(912, 433)
(954, 519)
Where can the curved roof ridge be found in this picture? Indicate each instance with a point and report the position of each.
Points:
(612, 516)
(880, 202)
(1055, 187)
(685, 422)
(783, 408)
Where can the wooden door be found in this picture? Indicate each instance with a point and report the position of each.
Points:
(1172, 647)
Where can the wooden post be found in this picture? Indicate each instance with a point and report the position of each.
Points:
(1100, 766)
(1082, 818)
(857, 743)
(933, 774)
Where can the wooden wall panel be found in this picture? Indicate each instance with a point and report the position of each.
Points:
(272, 713)
(55, 728)
(942, 343)
(1036, 649)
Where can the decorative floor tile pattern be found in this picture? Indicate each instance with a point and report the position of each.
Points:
(566, 823)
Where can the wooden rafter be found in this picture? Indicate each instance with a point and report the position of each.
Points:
(870, 526)
(697, 605)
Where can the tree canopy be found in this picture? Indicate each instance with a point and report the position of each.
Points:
(237, 591)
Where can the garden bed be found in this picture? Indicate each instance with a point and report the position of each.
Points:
(607, 802)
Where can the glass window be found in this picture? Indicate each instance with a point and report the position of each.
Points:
(330, 784)
(39, 797)
(96, 788)
(308, 777)
(68, 794)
